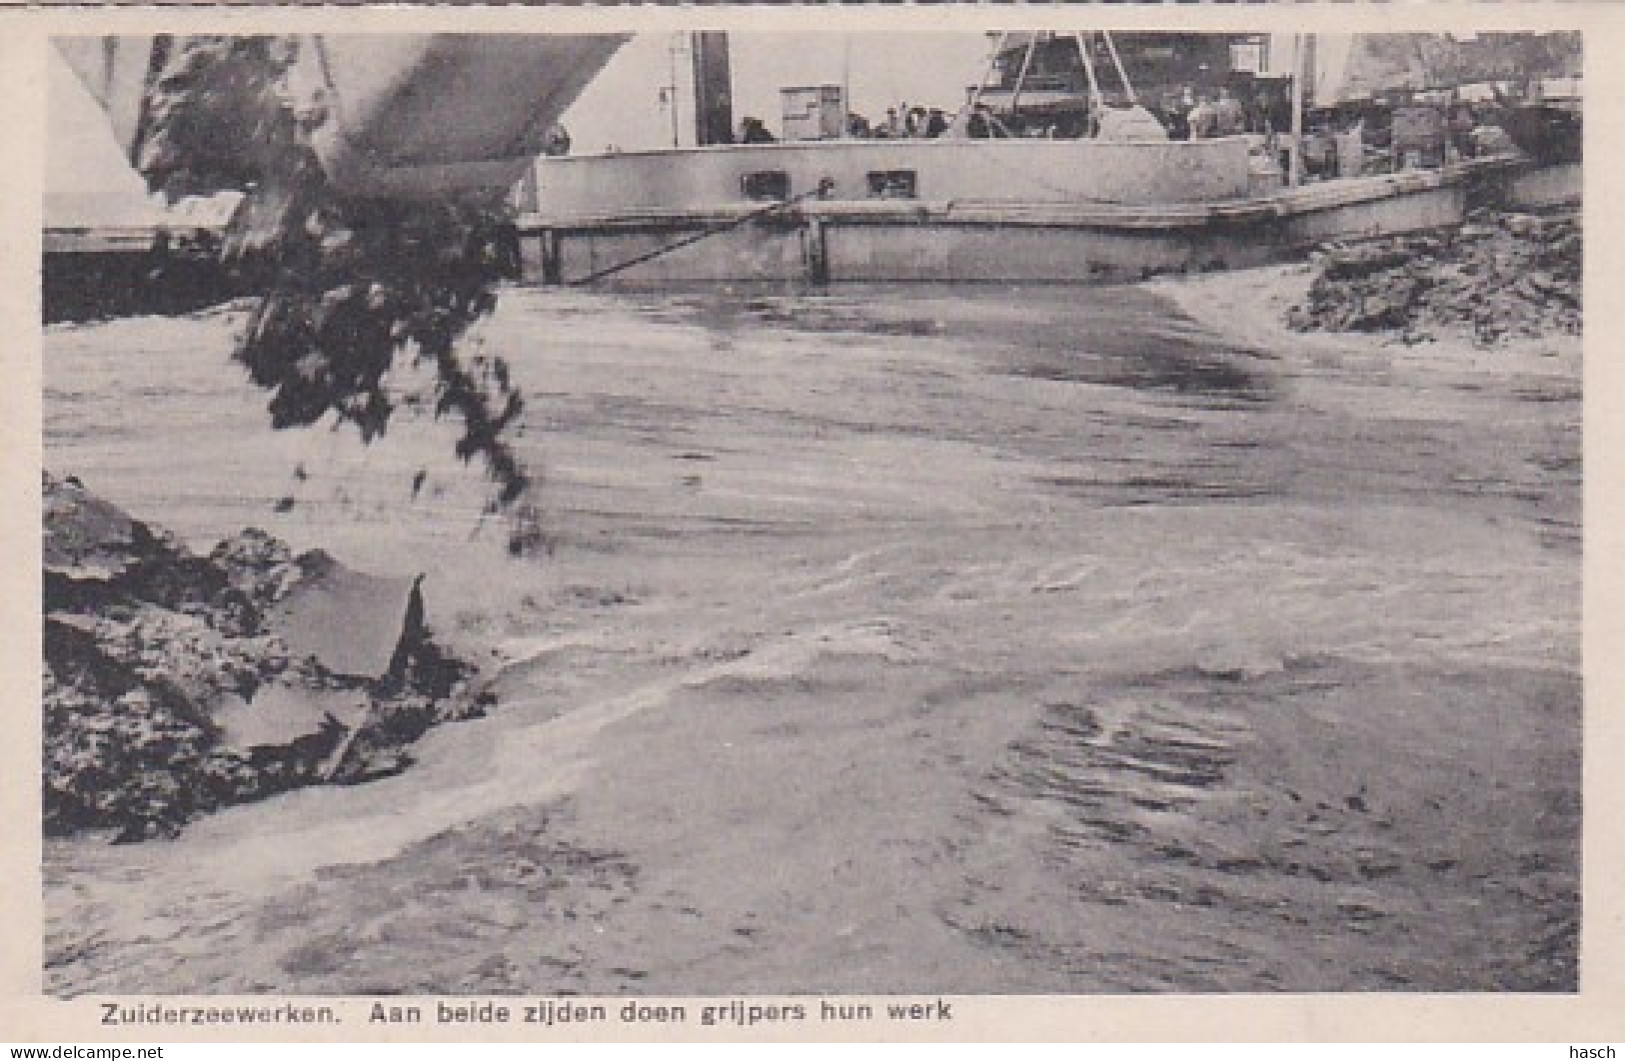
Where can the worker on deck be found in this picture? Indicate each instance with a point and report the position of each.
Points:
(556, 141)
(1202, 119)
(752, 131)
(980, 124)
(1229, 116)
(1172, 116)
(1460, 126)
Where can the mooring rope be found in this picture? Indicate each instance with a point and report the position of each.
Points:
(819, 192)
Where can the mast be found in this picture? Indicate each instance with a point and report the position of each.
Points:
(713, 89)
(1299, 66)
(670, 92)
(846, 85)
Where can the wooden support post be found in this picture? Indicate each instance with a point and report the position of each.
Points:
(815, 251)
(552, 254)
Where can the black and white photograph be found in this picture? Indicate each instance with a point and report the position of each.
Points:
(796, 514)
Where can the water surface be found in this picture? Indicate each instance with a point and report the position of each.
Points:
(925, 639)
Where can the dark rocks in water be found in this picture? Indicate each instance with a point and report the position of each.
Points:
(1497, 276)
(176, 684)
(95, 557)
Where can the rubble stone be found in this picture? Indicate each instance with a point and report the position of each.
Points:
(170, 688)
(1495, 277)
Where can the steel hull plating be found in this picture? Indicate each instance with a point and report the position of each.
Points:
(992, 239)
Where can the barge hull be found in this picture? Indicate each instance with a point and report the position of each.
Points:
(912, 240)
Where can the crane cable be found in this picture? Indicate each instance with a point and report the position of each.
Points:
(1021, 77)
(1122, 74)
(992, 63)
(1089, 70)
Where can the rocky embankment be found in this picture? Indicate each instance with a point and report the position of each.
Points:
(1498, 276)
(175, 684)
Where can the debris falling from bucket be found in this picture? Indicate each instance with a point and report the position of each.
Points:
(350, 286)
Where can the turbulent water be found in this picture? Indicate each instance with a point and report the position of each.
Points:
(938, 639)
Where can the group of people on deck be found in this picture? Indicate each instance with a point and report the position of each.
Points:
(1190, 115)
(901, 122)
(1217, 114)
(1114, 116)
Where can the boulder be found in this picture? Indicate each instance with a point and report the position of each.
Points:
(350, 623)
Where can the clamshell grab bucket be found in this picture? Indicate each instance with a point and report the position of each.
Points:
(405, 116)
